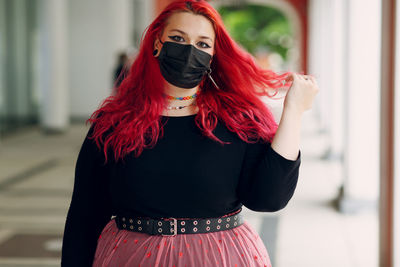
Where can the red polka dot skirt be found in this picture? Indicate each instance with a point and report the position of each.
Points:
(237, 247)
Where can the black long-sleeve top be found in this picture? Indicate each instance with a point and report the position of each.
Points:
(185, 175)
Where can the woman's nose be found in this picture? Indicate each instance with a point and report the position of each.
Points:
(192, 42)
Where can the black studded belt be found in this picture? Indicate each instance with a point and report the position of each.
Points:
(174, 226)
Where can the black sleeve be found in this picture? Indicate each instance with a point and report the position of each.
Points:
(90, 208)
(268, 180)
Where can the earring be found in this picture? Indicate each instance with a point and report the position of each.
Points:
(155, 52)
(209, 76)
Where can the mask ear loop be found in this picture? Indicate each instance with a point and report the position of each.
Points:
(209, 76)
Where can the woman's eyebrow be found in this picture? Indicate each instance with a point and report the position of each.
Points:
(184, 33)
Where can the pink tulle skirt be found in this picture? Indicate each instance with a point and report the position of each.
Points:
(237, 247)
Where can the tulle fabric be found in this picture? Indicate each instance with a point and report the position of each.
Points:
(237, 247)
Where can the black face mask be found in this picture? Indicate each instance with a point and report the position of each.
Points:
(183, 65)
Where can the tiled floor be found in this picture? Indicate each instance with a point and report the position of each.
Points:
(36, 180)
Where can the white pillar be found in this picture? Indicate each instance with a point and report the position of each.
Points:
(362, 103)
(337, 117)
(326, 62)
(53, 64)
(320, 60)
(396, 190)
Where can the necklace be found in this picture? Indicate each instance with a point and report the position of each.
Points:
(180, 107)
(181, 97)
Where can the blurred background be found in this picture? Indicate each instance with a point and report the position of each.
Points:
(60, 58)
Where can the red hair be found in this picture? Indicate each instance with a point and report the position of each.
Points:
(132, 114)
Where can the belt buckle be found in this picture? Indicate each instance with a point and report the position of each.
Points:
(175, 225)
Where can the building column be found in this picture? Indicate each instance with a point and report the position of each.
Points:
(326, 62)
(53, 79)
(362, 107)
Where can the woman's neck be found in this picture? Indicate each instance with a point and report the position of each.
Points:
(180, 92)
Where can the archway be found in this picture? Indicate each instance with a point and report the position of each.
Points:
(295, 10)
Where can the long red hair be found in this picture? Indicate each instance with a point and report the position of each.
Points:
(131, 115)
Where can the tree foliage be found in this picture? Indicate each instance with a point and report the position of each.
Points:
(258, 27)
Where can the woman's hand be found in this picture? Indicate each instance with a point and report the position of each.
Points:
(301, 92)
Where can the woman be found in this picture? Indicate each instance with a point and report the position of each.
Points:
(171, 158)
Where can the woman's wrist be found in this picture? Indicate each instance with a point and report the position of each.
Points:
(292, 112)
(287, 137)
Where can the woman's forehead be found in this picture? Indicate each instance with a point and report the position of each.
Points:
(191, 24)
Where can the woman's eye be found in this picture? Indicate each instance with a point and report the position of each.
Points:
(204, 45)
(176, 38)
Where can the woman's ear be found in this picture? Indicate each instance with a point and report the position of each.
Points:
(156, 47)
(156, 43)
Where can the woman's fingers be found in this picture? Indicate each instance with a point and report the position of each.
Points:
(302, 91)
(313, 80)
(289, 78)
(308, 78)
(301, 77)
(296, 76)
